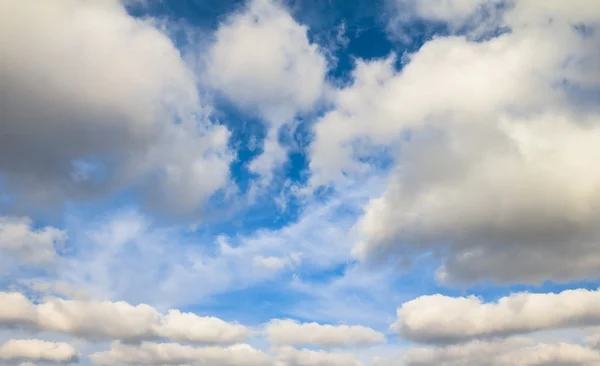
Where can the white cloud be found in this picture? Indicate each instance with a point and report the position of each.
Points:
(284, 78)
(517, 352)
(443, 319)
(175, 354)
(32, 246)
(488, 14)
(508, 123)
(292, 333)
(102, 111)
(454, 12)
(444, 82)
(289, 356)
(189, 327)
(38, 351)
(115, 320)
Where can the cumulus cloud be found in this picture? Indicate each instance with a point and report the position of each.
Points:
(32, 246)
(494, 143)
(517, 352)
(35, 350)
(112, 105)
(175, 354)
(285, 78)
(289, 356)
(115, 320)
(443, 319)
(292, 333)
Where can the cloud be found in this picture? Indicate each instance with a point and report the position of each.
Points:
(447, 77)
(175, 354)
(31, 246)
(506, 123)
(112, 106)
(285, 78)
(292, 333)
(96, 320)
(518, 352)
(289, 356)
(481, 16)
(443, 319)
(28, 350)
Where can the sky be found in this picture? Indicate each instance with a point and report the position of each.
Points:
(300, 182)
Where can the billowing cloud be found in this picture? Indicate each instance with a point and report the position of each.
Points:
(517, 352)
(174, 354)
(293, 333)
(115, 320)
(494, 143)
(285, 78)
(443, 319)
(35, 350)
(28, 245)
(289, 356)
(112, 105)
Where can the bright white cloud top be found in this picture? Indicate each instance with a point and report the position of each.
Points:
(300, 183)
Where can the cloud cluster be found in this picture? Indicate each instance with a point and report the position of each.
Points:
(96, 101)
(494, 142)
(443, 319)
(96, 320)
(493, 131)
(284, 78)
(151, 354)
(518, 352)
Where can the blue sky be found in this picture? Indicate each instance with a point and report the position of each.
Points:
(299, 183)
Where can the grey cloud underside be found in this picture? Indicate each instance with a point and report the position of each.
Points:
(89, 106)
(517, 352)
(498, 179)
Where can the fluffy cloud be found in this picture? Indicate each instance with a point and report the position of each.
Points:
(517, 352)
(20, 240)
(37, 351)
(293, 333)
(115, 320)
(496, 176)
(111, 106)
(289, 356)
(443, 319)
(286, 77)
(176, 354)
